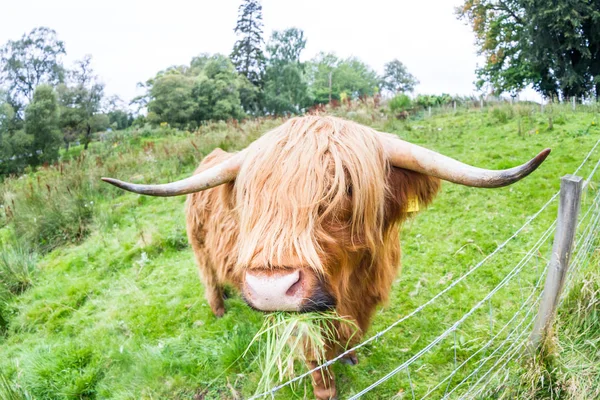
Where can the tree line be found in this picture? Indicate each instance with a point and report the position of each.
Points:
(262, 78)
(45, 105)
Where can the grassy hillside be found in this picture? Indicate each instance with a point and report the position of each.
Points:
(100, 298)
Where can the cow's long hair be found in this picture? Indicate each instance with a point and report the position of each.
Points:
(316, 192)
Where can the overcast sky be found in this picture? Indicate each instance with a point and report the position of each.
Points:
(131, 40)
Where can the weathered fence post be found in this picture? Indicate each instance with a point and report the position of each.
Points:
(566, 226)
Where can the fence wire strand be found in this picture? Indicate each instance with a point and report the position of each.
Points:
(437, 340)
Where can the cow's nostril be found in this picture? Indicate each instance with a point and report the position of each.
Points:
(295, 286)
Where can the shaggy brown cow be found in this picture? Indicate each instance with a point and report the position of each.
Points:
(307, 217)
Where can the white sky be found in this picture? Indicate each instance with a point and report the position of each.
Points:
(131, 40)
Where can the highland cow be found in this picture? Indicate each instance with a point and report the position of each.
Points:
(307, 217)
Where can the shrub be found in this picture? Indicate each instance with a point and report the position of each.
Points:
(502, 114)
(400, 103)
(17, 265)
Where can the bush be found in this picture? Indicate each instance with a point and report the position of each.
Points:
(502, 114)
(432, 100)
(400, 103)
(17, 266)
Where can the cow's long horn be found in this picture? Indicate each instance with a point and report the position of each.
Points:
(416, 158)
(214, 176)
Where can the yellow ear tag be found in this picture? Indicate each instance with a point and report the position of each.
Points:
(413, 204)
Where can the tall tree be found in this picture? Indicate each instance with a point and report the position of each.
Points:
(30, 61)
(247, 55)
(286, 88)
(88, 95)
(41, 122)
(552, 45)
(397, 79)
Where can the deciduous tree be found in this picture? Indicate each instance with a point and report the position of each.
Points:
(552, 45)
(397, 79)
(286, 88)
(41, 122)
(330, 76)
(30, 61)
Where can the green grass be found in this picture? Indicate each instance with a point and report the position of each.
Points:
(115, 308)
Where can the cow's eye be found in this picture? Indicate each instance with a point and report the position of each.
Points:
(349, 190)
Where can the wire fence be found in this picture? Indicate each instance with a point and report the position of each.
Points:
(482, 351)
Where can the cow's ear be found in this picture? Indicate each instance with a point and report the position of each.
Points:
(409, 191)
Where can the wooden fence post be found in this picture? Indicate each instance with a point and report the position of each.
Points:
(566, 226)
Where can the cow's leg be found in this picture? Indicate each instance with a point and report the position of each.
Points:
(323, 382)
(348, 337)
(213, 290)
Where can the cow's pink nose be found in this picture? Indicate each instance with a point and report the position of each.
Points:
(275, 291)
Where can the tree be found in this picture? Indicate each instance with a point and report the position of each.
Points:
(41, 122)
(119, 116)
(216, 92)
(71, 121)
(397, 79)
(171, 99)
(120, 119)
(90, 92)
(247, 55)
(80, 99)
(209, 89)
(286, 89)
(331, 77)
(26, 63)
(15, 145)
(554, 46)
(286, 46)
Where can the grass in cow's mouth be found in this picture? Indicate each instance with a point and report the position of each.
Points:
(283, 338)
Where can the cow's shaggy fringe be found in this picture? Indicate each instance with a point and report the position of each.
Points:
(294, 182)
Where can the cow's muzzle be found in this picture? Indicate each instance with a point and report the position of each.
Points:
(285, 290)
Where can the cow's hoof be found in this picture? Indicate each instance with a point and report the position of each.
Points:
(349, 359)
(325, 393)
(219, 312)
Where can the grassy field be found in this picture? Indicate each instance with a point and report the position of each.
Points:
(99, 294)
